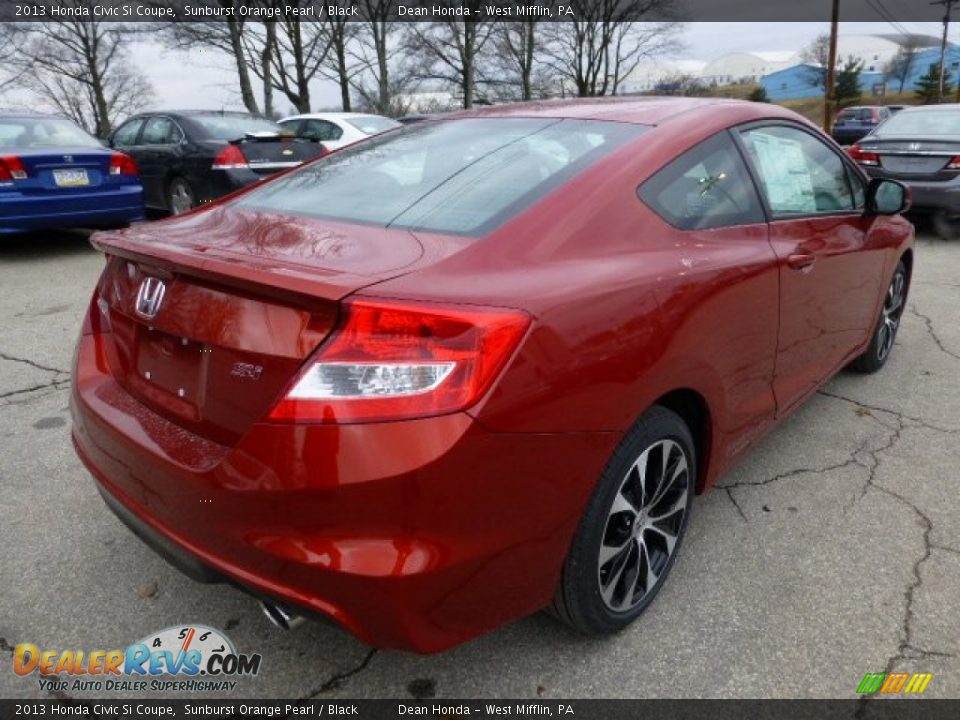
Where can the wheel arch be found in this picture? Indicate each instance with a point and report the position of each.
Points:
(693, 408)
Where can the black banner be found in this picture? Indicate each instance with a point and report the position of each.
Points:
(486, 709)
(479, 10)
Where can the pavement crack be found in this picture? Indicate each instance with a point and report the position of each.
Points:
(933, 334)
(729, 491)
(5, 646)
(38, 366)
(336, 681)
(34, 388)
(945, 548)
(896, 413)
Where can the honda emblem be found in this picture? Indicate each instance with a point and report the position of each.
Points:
(149, 297)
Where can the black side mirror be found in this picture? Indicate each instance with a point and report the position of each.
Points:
(887, 197)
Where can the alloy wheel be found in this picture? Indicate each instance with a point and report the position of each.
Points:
(643, 525)
(890, 316)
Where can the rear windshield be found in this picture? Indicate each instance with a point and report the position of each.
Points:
(919, 123)
(234, 127)
(373, 124)
(856, 114)
(458, 176)
(24, 133)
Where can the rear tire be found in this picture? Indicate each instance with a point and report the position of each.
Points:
(885, 333)
(630, 535)
(180, 196)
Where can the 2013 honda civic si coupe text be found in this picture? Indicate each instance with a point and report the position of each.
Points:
(480, 366)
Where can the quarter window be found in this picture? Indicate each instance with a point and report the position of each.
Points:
(706, 187)
(799, 174)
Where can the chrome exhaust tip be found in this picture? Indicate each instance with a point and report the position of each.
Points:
(280, 616)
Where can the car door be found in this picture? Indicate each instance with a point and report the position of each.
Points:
(722, 303)
(830, 271)
(157, 151)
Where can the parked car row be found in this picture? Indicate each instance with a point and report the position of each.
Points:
(53, 174)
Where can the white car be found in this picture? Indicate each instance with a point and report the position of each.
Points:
(335, 130)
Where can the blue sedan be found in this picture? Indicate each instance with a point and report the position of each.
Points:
(55, 175)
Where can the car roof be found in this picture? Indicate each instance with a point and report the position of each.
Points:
(645, 110)
(941, 107)
(330, 115)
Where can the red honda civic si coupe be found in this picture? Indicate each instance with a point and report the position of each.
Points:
(480, 366)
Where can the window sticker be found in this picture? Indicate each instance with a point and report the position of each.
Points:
(786, 175)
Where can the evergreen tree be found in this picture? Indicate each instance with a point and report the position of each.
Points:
(847, 88)
(758, 94)
(928, 86)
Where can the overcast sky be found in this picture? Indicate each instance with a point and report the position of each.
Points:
(203, 79)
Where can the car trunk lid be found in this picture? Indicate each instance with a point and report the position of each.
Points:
(914, 159)
(245, 299)
(62, 170)
(270, 153)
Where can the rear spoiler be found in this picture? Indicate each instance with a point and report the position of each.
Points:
(266, 136)
(240, 270)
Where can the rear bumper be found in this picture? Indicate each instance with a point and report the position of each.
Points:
(925, 196)
(23, 212)
(415, 535)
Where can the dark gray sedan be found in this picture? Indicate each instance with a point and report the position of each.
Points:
(920, 147)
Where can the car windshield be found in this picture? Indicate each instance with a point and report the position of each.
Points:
(919, 123)
(458, 176)
(234, 127)
(373, 124)
(25, 133)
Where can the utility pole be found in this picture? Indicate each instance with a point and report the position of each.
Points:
(829, 90)
(947, 5)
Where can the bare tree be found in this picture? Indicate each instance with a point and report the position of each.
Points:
(517, 51)
(340, 32)
(8, 52)
(817, 56)
(290, 55)
(376, 50)
(902, 65)
(608, 40)
(81, 68)
(225, 35)
(451, 51)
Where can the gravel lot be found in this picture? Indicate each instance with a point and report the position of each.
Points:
(833, 550)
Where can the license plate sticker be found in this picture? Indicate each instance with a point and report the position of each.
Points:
(70, 178)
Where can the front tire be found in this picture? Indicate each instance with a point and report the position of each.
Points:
(885, 333)
(631, 532)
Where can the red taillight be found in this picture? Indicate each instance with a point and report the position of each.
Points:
(864, 158)
(11, 168)
(121, 164)
(230, 158)
(954, 163)
(392, 360)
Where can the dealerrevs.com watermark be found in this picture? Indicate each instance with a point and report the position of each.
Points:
(187, 658)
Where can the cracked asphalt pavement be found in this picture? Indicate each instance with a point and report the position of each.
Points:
(832, 550)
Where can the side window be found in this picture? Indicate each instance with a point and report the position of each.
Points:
(126, 135)
(799, 174)
(157, 131)
(858, 187)
(291, 126)
(320, 130)
(706, 187)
